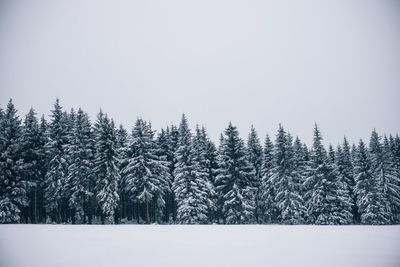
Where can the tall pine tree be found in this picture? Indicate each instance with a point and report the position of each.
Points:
(145, 175)
(235, 179)
(106, 168)
(12, 186)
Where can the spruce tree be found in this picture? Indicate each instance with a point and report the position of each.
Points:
(300, 168)
(122, 139)
(346, 173)
(145, 175)
(57, 171)
(394, 147)
(80, 176)
(343, 205)
(34, 167)
(267, 208)
(235, 179)
(383, 172)
(191, 186)
(288, 197)
(12, 186)
(322, 187)
(205, 158)
(255, 158)
(369, 194)
(168, 145)
(106, 168)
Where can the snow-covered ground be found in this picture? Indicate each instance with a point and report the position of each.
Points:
(213, 245)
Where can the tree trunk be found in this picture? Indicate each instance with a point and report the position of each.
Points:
(147, 213)
(35, 206)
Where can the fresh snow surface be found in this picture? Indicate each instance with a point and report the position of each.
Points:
(212, 245)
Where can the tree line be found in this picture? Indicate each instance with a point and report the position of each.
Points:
(69, 170)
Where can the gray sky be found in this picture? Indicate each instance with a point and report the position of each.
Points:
(249, 62)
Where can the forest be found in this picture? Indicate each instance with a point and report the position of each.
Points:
(68, 170)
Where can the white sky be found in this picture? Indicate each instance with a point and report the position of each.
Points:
(249, 62)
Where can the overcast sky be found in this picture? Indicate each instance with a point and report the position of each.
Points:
(250, 62)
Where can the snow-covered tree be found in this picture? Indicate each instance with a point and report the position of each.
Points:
(205, 157)
(267, 208)
(288, 197)
(145, 175)
(57, 171)
(382, 170)
(12, 186)
(343, 205)
(300, 168)
(345, 170)
(33, 167)
(254, 154)
(369, 194)
(324, 201)
(394, 151)
(191, 186)
(235, 179)
(106, 167)
(122, 140)
(80, 152)
(168, 144)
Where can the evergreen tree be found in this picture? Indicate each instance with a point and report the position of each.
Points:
(235, 179)
(343, 205)
(369, 194)
(122, 140)
(205, 159)
(145, 175)
(33, 167)
(383, 172)
(268, 210)
(12, 186)
(57, 171)
(106, 168)
(191, 186)
(322, 187)
(394, 147)
(255, 158)
(346, 173)
(288, 199)
(79, 180)
(168, 145)
(300, 167)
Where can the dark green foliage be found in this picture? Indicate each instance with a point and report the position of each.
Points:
(70, 171)
(235, 179)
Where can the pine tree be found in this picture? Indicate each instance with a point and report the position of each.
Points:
(393, 180)
(145, 175)
(12, 186)
(168, 145)
(205, 158)
(300, 167)
(57, 171)
(268, 210)
(191, 186)
(33, 167)
(369, 194)
(106, 168)
(255, 157)
(382, 171)
(394, 147)
(288, 199)
(122, 140)
(235, 179)
(346, 173)
(322, 187)
(343, 205)
(80, 152)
